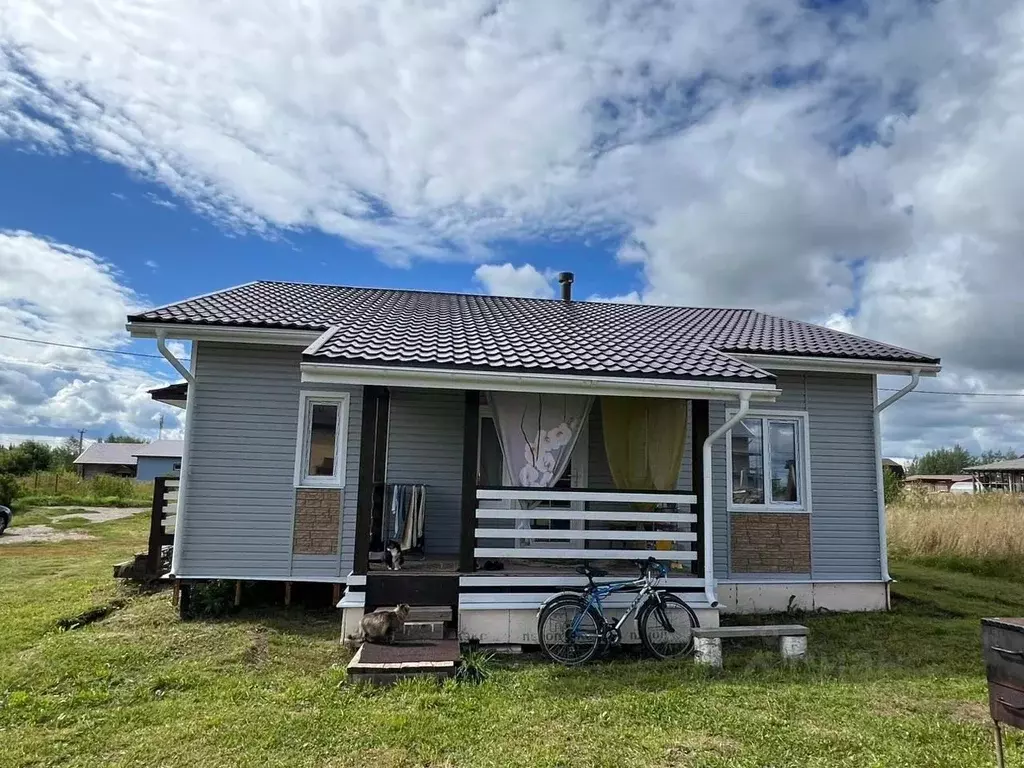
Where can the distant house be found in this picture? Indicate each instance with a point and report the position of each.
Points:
(141, 461)
(117, 459)
(936, 483)
(895, 467)
(1005, 475)
(161, 457)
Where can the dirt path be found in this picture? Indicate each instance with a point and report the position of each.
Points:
(27, 534)
(98, 514)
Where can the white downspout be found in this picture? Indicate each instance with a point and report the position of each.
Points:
(883, 537)
(709, 543)
(161, 344)
(190, 398)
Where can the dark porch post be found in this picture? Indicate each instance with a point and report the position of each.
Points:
(470, 447)
(699, 431)
(372, 454)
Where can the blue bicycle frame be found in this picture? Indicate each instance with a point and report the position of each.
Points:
(644, 584)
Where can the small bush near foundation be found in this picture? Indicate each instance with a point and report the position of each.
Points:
(212, 599)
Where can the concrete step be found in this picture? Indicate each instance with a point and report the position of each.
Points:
(440, 613)
(421, 630)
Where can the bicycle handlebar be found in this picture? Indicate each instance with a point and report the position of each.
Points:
(651, 565)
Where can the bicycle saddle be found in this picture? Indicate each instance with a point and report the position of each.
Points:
(590, 572)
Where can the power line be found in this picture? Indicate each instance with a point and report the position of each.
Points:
(958, 394)
(79, 346)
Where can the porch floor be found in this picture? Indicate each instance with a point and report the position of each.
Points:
(449, 565)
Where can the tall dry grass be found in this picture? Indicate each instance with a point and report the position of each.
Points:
(985, 526)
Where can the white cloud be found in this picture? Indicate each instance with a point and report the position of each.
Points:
(633, 297)
(855, 165)
(55, 293)
(509, 280)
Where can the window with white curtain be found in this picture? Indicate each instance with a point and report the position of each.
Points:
(767, 462)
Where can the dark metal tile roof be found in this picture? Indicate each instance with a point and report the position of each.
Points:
(393, 327)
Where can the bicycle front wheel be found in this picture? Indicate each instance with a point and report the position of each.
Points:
(569, 630)
(666, 625)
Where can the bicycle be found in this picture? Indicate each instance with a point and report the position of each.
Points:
(572, 628)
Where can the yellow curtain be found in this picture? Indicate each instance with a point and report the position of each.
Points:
(644, 440)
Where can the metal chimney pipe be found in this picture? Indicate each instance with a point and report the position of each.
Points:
(565, 280)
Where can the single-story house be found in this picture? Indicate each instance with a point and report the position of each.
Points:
(117, 459)
(936, 483)
(139, 461)
(502, 441)
(158, 459)
(1006, 475)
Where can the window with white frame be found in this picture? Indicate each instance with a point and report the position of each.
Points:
(768, 463)
(323, 421)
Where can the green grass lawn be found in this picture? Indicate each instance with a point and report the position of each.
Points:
(268, 688)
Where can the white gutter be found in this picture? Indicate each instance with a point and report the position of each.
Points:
(161, 344)
(883, 537)
(182, 508)
(554, 383)
(709, 543)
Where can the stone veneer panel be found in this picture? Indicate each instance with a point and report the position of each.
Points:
(770, 542)
(317, 518)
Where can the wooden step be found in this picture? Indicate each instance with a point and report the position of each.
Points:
(387, 664)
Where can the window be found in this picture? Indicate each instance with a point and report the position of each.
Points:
(767, 463)
(321, 440)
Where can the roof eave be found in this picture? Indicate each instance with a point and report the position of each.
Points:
(553, 383)
(837, 364)
(231, 334)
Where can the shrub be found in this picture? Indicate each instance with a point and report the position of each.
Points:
(9, 489)
(117, 487)
(212, 599)
(893, 485)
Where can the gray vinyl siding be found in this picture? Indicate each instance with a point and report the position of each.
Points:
(844, 517)
(240, 492)
(425, 437)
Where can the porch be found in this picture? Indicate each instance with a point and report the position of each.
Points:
(495, 552)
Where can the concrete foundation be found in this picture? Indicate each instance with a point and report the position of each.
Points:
(778, 597)
(518, 626)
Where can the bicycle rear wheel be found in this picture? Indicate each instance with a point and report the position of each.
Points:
(569, 630)
(666, 625)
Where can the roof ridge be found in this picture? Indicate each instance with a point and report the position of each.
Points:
(429, 292)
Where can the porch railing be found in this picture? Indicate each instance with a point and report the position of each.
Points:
(161, 522)
(593, 542)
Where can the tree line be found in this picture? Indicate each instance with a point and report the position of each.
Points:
(953, 461)
(34, 456)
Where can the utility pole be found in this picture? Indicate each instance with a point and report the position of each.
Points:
(81, 438)
(160, 433)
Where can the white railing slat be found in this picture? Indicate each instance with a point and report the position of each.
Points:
(515, 533)
(580, 514)
(546, 494)
(541, 553)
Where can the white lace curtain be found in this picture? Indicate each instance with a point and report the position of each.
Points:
(537, 433)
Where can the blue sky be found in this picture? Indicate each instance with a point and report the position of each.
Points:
(844, 163)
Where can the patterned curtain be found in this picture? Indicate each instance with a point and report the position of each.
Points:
(537, 433)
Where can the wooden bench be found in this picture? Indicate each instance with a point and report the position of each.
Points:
(707, 641)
